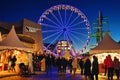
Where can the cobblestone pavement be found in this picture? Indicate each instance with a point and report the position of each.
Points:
(5, 75)
(54, 76)
(43, 76)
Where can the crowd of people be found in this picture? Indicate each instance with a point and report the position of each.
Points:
(91, 69)
(73, 64)
(112, 66)
(88, 68)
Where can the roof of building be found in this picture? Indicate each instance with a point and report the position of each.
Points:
(107, 44)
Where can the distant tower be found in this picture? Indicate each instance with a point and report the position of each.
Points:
(99, 26)
(99, 29)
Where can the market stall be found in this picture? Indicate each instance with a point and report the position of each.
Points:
(12, 46)
(106, 47)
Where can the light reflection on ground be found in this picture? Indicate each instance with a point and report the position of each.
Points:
(60, 76)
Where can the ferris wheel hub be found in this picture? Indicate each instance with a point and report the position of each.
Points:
(64, 29)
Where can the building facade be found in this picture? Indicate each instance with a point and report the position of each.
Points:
(29, 33)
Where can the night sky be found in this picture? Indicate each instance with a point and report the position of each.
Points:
(16, 10)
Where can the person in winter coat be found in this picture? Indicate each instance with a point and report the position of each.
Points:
(95, 68)
(74, 65)
(9, 63)
(105, 65)
(87, 69)
(48, 64)
(81, 64)
(110, 67)
(116, 67)
(70, 64)
(13, 61)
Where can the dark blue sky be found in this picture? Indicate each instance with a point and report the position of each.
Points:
(16, 10)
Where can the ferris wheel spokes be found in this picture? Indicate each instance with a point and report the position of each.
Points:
(78, 39)
(78, 33)
(54, 40)
(50, 31)
(51, 35)
(56, 18)
(69, 18)
(65, 17)
(74, 43)
(60, 17)
(77, 24)
(51, 26)
(73, 20)
(65, 23)
(52, 21)
(78, 29)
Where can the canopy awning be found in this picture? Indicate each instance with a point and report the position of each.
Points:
(106, 45)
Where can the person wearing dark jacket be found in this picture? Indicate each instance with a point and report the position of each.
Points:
(87, 69)
(117, 67)
(81, 64)
(70, 64)
(13, 60)
(95, 68)
(48, 63)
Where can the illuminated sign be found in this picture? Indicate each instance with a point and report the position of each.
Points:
(31, 29)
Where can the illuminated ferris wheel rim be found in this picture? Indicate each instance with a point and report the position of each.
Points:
(75, 10)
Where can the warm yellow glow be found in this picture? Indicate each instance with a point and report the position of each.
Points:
(102, 56)
(16, 52)
(69, 48)
(59, 51)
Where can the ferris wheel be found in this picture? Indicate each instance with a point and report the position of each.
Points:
(65, 25)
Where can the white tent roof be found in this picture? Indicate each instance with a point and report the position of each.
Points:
(12, 42)
(106, 45)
